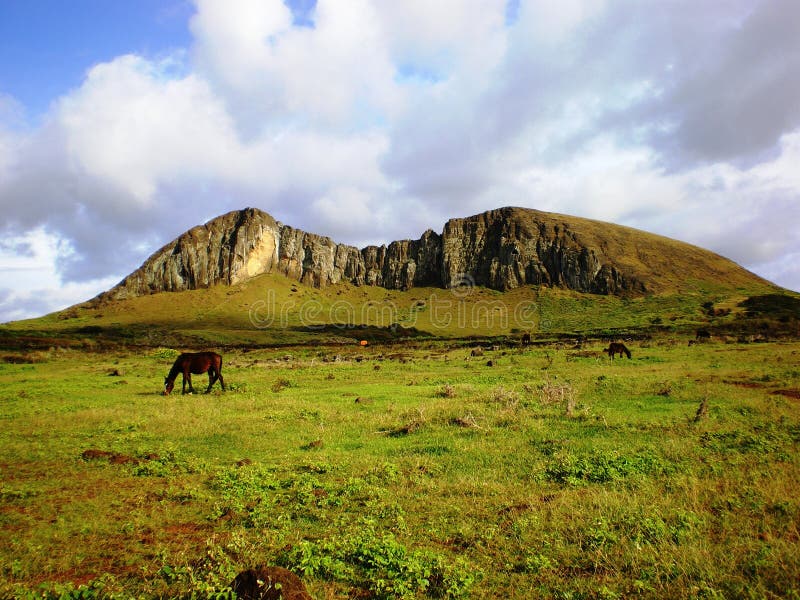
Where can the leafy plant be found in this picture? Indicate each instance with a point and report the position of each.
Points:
(382, 565)
(604, 467)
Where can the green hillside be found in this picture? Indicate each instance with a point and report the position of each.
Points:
(272, 310)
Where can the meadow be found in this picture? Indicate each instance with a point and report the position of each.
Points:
(406, 470)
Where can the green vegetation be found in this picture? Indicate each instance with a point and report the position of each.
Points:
(271, 310)
(411, 466)
(403, 470)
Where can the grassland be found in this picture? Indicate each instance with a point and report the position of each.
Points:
(404, 470)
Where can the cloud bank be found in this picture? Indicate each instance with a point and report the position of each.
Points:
(370, 121)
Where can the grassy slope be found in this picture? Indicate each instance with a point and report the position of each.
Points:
(271, 310)
(665, 265)
(444, 461)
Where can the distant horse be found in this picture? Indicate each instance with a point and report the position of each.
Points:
(703, 335)
(526, 339)
(197, 363)
(617, 348)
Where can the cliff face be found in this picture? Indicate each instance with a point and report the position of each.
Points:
(242, 244)
(501, 249)
(229, 249)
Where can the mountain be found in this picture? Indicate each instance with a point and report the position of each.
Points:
(500, 249)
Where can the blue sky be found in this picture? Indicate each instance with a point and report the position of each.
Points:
(46, 46)
(124, 123)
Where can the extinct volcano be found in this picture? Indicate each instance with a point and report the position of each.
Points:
(500, 249)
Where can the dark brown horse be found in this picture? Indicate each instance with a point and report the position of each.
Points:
(617, 348)
(197, 363)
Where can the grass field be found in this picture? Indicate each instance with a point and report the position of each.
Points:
(407, 470)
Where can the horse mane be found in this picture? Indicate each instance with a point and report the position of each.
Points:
(176, 369)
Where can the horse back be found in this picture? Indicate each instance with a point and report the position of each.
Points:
(199, 362)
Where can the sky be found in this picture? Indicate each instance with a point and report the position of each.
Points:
(125, 123)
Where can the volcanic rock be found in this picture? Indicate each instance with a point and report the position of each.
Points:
(500, 249)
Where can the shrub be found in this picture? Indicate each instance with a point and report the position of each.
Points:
(558, 394)
(281, 384)
(446, 391)
(382, 565)
(415, 420)
(508, 399)
(165, 353)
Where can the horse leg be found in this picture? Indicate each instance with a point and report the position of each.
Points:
(221, 382)
(189, 379)
(212, 377)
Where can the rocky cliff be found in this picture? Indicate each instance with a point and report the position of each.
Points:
(501, 249)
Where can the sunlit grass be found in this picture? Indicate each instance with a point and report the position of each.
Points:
(552, 472)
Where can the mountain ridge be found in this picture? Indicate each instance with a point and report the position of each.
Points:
(502, 249)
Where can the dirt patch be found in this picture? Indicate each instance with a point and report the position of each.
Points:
(184, 529)
(93, 454)
(794, 394)
(752, 385)
(26, 358)
(269, 583)
(515, 509)
(583, 354)
(115, 458)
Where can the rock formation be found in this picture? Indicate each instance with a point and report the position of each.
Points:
(501, 249)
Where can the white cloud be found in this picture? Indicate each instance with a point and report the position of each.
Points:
(133, 125)
(272, 74)
(443, 39)
(32, 285)
(552, 24)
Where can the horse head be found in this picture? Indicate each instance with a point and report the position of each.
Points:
(168, 385)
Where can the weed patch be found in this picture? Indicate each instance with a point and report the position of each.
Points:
(604, 467)
(382, 566)
(760, 440)
(280, 385)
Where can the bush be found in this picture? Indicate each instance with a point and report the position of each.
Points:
(382, 565)
(281, 384)
(558, 394)
(446, 391)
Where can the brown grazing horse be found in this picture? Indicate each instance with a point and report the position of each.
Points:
(617, 348)
(197, 363)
